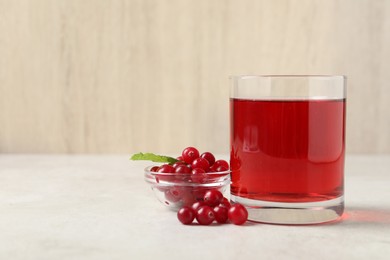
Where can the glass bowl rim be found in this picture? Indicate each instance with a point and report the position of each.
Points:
(148, 172)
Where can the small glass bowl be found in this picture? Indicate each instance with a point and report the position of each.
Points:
(176, 190)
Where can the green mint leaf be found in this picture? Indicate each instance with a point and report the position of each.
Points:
(153, 157)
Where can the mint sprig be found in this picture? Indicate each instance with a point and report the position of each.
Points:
(153, 157)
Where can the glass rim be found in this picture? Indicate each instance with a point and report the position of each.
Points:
(288, 87)
(148, 171)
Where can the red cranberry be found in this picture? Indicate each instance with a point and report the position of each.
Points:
(205, 215)
(198, 175)
(225, 203)
(219, 163)
(213, 197)
(189, 154)
(166, 168)
(221, 214)
(197, 205)
(209, 157)
(182, 169)
(154, 169)
(238, 214)
(186, 215)
(200, 163)
(221, 169)
(176, 164)
(172, 196)
(188, 199)
(198, 193)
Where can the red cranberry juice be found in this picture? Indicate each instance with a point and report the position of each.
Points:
(287, 150)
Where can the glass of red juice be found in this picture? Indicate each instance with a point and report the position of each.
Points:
(287, 136)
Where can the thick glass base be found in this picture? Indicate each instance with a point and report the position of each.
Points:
(292, 213)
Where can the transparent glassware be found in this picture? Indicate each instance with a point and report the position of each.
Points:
(175, 190)
(288, 147)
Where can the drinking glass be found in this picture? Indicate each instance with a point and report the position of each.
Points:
(287, 153)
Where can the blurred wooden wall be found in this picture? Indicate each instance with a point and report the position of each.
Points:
(119, 76)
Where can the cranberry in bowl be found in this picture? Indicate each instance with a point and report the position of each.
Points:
(179, 185)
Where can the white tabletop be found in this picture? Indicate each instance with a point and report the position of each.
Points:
(99, 207)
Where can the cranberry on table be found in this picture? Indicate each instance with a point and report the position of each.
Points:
(225, 203)
(197, 205)
(189, 154)
(213, 197)
(238, 214)
(205, 215)
(221, 214)
(186, 215)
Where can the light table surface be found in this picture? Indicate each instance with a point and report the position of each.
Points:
(99, 207)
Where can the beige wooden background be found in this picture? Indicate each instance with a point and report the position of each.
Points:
(99, 76)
